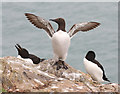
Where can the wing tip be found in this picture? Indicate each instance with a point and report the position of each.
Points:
(26, 14)
(97, 23)
(29, 15)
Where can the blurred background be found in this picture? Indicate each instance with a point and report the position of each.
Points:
(103, 39)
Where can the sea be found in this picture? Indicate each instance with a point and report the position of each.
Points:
(103, 40)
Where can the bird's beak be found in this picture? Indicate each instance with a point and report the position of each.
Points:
(51, 20)
(18, 47)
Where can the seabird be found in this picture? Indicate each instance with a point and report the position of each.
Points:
(24, 54)
(60, 38)
(94, 68)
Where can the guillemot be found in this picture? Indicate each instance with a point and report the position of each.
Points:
(24, 54)
(94, 68)
(60, 38)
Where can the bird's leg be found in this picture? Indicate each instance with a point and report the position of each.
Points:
(64, 66)
(58, 65)
(55, 63)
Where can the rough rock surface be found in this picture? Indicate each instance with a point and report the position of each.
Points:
(22, 76)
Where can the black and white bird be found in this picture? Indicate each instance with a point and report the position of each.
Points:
(24, 54)
(60, 38)
(94, 68)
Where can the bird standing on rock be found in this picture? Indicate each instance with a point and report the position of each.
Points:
(24, 54)
(60, 38)
(94, 68)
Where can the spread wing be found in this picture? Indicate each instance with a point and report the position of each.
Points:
(84, 27)
(40, 23)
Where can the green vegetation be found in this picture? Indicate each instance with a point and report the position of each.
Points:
(3, 90)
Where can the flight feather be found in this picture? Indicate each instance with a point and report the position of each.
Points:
(40, 23)
(84, 27)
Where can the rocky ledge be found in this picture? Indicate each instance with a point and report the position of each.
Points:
(22, 76)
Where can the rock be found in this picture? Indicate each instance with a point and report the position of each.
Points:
(22, 76)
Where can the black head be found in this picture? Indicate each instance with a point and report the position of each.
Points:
(22, 51)
(60, 22)
(90, 55)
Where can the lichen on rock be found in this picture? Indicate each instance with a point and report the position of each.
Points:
(21, 76)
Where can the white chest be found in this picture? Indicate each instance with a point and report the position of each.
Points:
(27, 59)
(92, 69)
(61, 36)
(60, 43)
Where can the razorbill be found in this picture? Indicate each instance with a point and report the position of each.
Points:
(60, 38)
(94, 68)
(24, 54)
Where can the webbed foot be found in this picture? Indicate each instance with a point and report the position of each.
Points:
(60, 64)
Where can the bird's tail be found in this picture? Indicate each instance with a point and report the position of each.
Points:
(41, 60)
(106, 79)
